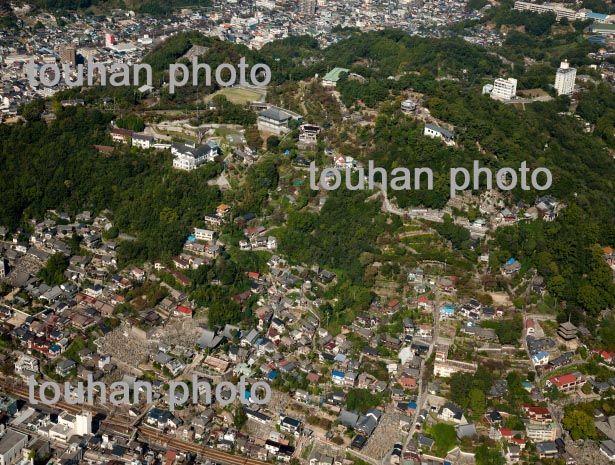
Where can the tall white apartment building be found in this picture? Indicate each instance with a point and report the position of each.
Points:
(564, 79)
(504, 89)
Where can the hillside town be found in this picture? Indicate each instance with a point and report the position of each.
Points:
(379, 390)
(462, 356)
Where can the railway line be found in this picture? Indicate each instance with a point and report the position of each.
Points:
(22, 392)
(207, 452)
(145, 432)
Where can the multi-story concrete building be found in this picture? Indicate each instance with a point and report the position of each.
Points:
(564, 79)
(307, 7)
(557, 8)
(537, 433)
(566, 383)
(203, 234)
(11, 445)
(504, 89)
(275, 120)
(68, 54)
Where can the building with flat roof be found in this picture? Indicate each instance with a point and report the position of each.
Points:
(544, 432)
(504, 89)
(564, 79)
(68, 54)
(11, 445)
(557, 8)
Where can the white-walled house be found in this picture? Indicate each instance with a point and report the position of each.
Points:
(142, 140)
(436, 132)
(190, 158)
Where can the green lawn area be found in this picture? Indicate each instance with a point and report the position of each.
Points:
(549, 327)
(445, 437)
(237, 95)
(419, 239)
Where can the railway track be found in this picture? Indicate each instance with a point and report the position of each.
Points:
(144, 431)
(213, 454)
(23, 392)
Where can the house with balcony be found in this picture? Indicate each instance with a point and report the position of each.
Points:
(190, 158)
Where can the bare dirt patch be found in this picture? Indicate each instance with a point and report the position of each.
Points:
(501, 299)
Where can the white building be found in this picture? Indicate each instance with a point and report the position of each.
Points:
(203, 234)
(564, 79)
(265, 4)
(26, 363)
(11, 445)
(83, 423)
(504, 89)
(309, 133)
(449, 368)
(189, 158)
(538, 433)
(142, 140)
(434, 131)
(547, 7)
(145, 40)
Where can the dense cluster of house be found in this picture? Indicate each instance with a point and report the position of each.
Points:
(287, 342)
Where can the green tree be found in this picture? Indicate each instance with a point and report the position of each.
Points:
(461, 384)
(53, 272)
(553, 393)
(579, 423)
(486, 456)
(240, 418)
(445, 437)
(273, 142)
(476, 401)
(132, 122)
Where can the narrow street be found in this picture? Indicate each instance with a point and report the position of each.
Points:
(421, 399)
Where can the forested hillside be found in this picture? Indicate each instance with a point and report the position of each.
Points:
(55, 166)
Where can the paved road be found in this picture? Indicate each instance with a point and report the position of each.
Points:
(150, 131)
(420, 402)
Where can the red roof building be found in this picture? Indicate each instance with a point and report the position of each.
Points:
(566, 383)
(181, 310)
